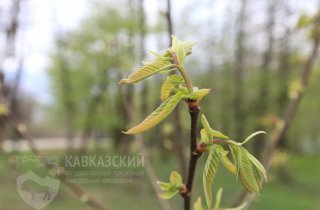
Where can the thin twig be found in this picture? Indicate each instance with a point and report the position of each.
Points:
(194, 154)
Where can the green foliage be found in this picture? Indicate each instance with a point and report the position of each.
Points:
(173, 84)
(211, 133)
(170, 84)
(209, 173)
(162, 112)
(160, 64)
(198, 204)
(171, 188)
(246, 167)
(199, 94)
(249, 169)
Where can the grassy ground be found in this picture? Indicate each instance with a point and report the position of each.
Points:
(302, 192)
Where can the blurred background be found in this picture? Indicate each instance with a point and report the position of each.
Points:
(61, 60)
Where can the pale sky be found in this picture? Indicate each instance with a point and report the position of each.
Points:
(42, 18)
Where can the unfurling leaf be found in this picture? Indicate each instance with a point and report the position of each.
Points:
(226, 162)
(198, 204)
(211, 133)
(178, 50)
(164, 186)
(147, 70)
(171, 188)
(218, 199)
(168, 194)
(199, 94)
(219, 135)
(204, 136)
(158, 115)
(251, 136)
(175, 178)
(209, 173)
(249, 169)
(169, 85)
(207, 127)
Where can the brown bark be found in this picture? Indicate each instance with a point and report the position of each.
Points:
(194, 153)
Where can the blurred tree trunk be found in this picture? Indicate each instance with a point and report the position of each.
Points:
(95, 101)
(8, 95)
(178, 134)
(284, 74)
(66, 94)
(239, 111)
(262, 100)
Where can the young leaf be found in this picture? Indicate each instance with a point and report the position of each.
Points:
(199, 94)
(207, 127)
(175, 179)
(218, 199)
(245, 169)
(169, 85)
(147, 70)
(158, 115)
(166, 90)
(251, 136)
(178, 49)
(164, 186)
(168, 194)
(204, 136)
(198, 205)
(209, 173)
(219, 135)
(259, 167)
(226, 162)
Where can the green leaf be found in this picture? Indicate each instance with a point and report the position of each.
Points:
(226, 162)
(209, 173)
(204, 136)
(259, 167)
(219, 135)
(178, 50)
(168, 194)
(245, 169)
(207, 127)
(169, 85)
(175, 178)
(147, 70)
(173, 187)
(218, 199)
(158, 115)
(199, 94)
(251, 136)
(164, 186)
(198, 205)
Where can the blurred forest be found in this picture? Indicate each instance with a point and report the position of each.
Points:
(249, 53)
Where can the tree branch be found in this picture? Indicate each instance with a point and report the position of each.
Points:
(194, 154)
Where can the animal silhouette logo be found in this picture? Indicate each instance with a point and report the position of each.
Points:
(36, 191)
